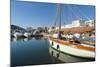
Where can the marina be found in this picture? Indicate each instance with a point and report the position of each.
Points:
(66, 35)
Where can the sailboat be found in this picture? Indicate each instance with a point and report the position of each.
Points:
(70, 46)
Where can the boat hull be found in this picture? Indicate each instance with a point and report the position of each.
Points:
(71, 50)
(18, 35)
(66, 57)
(27, 34)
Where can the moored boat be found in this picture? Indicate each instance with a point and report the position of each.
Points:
(73, 48)
(18, 34)
(70, 46)
(26, 34)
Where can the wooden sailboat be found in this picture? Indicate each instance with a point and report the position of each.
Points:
(72, 47)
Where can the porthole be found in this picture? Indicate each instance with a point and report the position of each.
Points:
(58, 47)
(57, 55)
(52, 43)
(52, 53)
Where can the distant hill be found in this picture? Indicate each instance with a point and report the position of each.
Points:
(14, 27)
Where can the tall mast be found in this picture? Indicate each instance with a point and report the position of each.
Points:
(59, 19)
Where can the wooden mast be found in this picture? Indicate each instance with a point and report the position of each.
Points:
(59, 19)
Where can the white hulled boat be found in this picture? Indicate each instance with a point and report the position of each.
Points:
(18, 34)
(26, 34)
(72, 47)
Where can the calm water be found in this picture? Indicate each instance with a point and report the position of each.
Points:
(36, 51)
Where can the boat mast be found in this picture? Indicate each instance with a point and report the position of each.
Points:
(59, 20)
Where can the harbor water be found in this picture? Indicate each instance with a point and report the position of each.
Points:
(36, 51)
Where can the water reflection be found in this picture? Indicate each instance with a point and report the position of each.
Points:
(30, 51)
(65, 57)
(38, 38)
(36, 51)
(16, 39)
(25, 39)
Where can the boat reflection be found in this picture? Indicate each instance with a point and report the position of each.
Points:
(16, 39)
(26, 39)
(38, 38)
(66, 58)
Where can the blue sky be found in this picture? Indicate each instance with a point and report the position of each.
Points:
(35, 14)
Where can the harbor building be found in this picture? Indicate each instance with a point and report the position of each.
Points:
(90, 23)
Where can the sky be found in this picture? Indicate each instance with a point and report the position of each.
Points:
(38, 14)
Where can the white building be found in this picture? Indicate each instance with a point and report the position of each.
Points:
(75, 23)
(78, 23)
(90, 22)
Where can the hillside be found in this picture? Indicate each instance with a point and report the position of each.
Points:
(14, 27)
